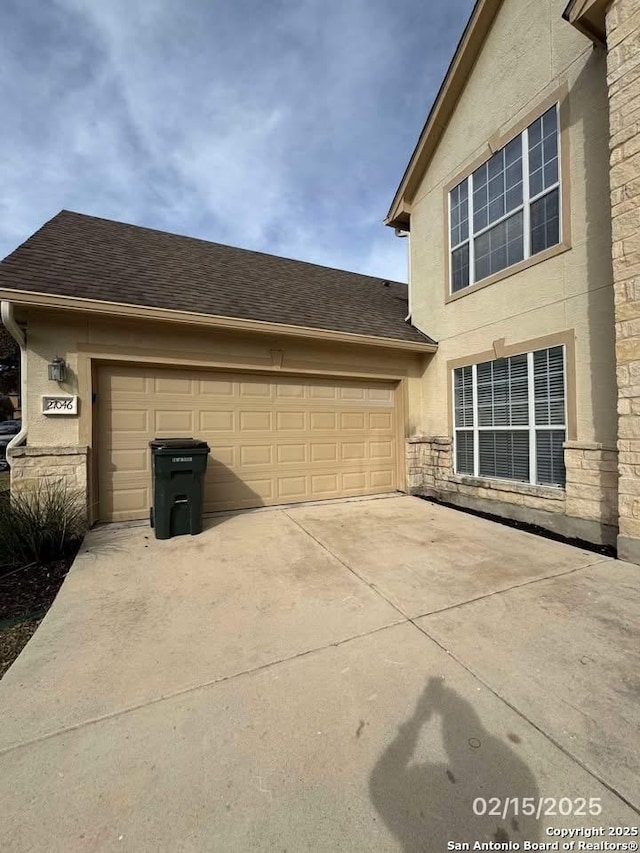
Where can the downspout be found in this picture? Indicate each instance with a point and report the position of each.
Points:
(410, 279)
(399, 232)
(8, 321)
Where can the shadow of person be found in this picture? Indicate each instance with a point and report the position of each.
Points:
(427, 804)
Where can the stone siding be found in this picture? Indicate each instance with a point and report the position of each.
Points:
(33, 465)
(623, 77)
(431, 474)
(592, 482)
(586, 509)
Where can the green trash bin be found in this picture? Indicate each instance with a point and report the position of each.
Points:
(178, 467)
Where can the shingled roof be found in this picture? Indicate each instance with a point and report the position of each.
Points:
(80, 256)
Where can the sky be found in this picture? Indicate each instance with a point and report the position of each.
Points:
(282, 126)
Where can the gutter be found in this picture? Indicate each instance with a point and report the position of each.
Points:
(8, 320)
(122, 310)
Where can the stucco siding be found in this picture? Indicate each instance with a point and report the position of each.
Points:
(46, 339)
(87, 340)
(529, 54)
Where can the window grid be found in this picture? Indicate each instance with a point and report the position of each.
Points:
(542, 437)
(457, 283)
(533, 446)
(526, 228)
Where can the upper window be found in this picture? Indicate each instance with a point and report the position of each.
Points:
(509, 208)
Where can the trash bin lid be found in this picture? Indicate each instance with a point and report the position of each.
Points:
(177, 443)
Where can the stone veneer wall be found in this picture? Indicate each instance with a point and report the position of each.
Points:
(587, 509)
(31, 465)
(623, 77)
(592, 482)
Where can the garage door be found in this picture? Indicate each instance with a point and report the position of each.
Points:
(273, 439)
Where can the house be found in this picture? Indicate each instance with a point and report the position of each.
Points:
(526, 174)
(304, 380)
(313, 383)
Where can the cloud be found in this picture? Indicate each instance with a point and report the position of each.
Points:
(282, 127)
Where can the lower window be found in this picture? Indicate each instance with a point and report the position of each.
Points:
(510, 418)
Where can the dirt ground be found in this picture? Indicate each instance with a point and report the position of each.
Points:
(25, 596)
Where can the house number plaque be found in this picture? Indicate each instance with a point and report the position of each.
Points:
(59, 404)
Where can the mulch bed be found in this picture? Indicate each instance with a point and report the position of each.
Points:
(25, 596)
(13, 640)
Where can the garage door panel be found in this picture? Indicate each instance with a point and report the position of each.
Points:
(168, 384)
(259, 454)
(255, 421)
(380, 421)
(220, 494)
(125, 503)
(292, 488)
(381, 479)
(324, 452)
(225, 455)
(288, 392)
(352, 421)
(323, 421)
(132, 420)
(131, 461)
(215, 387)
(383, 396)
(273, 439)
(323, 392)
(126, 383)
(288, 421)
(354, 481)
(353, 393)
(261, 390)
(174, 422)
(219, 421)
(325, 485)
(381, 449)
(350, 450)
(287, 454)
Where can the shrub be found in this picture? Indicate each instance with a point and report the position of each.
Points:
(41, 523)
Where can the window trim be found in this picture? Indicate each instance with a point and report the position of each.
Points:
(559, 96)
(531, 429)
(565, 338)
(524, 208)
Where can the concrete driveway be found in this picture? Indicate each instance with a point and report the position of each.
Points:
(339, 677)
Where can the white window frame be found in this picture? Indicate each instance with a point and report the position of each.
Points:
(532, 427)
(525, 207)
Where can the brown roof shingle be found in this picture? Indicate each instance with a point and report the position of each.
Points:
(83, 256)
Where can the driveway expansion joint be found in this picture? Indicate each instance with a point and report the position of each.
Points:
(195, 687)
(349, 568)
(474, 674)
(413, 621)
(507, 589)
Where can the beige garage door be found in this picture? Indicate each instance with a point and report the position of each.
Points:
(273, 439)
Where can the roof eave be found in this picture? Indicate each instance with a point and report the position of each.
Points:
(464, 58)
(589, 17)
(401, 218)
(121, 309)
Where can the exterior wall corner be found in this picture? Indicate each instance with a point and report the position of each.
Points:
(623, 78)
